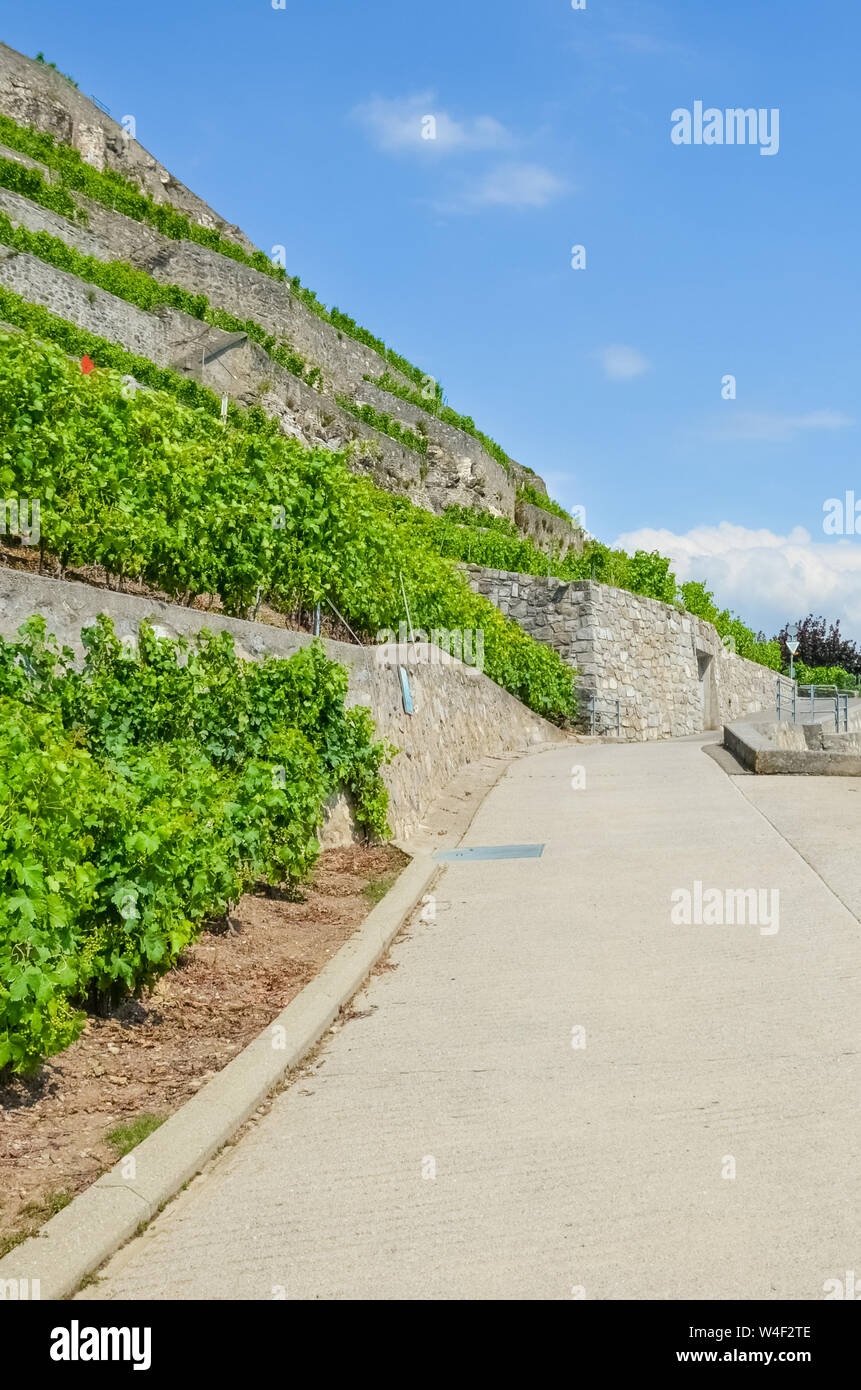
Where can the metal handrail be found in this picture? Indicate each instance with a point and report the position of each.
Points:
(782, 702)
(590, 700)
(789, 706)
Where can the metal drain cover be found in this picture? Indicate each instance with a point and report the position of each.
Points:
(492, 852)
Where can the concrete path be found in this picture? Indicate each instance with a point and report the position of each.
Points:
(451, 1142)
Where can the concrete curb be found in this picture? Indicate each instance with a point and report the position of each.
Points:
(752, 746)
(91, 1228)
(747, 743)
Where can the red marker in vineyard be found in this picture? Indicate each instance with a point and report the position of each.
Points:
(87, 364)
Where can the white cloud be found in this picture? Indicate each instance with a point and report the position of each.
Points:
(396, 125)
(622, 363)
(764, 577)
(773, 428)
(509, 186)
(400, 126)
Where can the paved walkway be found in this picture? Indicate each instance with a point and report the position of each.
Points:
(561, 1168)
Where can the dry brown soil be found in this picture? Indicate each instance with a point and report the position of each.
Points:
(151, 1054)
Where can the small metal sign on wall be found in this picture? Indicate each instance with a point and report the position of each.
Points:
(405, 690)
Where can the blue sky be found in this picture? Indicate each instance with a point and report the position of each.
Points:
(553, 129)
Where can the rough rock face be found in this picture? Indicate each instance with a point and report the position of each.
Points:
(669, 671)
(34, 94)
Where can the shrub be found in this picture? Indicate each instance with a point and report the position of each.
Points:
(52, 795)
(144, 794)
(113, 190)
(527, 493)
(146, 487)
(824, 675)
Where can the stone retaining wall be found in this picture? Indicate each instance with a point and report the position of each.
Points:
(456, 470)
(170, 338)
(459, 715)
(548, 531)
(670, 671)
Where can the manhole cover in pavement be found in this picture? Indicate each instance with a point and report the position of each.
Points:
(492, 852)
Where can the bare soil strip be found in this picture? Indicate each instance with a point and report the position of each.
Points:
(63, 1128)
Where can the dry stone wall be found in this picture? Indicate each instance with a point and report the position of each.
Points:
(240, 290)
(456, 470)
(548, 531)
(247, 374)
(670, 671)
(459, 715)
